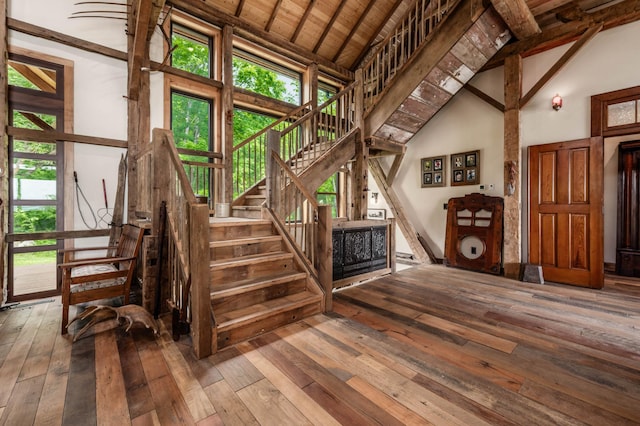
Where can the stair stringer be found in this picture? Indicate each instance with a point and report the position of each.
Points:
(459, 48)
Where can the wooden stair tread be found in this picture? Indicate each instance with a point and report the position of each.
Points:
(246, 207)
(238, 287)
(254, 258)
(255, 196)
(239, 222)
(244, 240)
(253, 313)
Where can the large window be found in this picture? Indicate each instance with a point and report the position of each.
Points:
(191, 50)
(266, 78)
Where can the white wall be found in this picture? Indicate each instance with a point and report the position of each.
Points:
(609, 62)
(100, 89)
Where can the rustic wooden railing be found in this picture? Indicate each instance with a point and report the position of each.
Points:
(200, 168)
(249, 156)
(296, 211)
(306, 139)
(400, 45)
(187, 221)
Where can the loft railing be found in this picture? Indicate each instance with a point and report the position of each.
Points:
(163, 177)
(396, 50)
(200, 168)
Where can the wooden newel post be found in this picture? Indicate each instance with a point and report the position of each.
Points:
(325, 255)
(201, 324)
(272, 175)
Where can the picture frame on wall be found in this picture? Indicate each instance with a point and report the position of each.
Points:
(465, 168)
(377, 214)
(432, 171)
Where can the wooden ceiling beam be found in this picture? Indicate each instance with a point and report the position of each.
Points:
(329, 26)
(239, 8)
(303, 20)
(346, 41)
(156, 10)
(621, 13)
(274, 13)
(518, 17)
(277, 43)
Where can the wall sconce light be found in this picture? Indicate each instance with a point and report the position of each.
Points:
(374, 196)
(556, 102)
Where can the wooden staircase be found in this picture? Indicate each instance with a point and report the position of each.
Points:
(257, 284)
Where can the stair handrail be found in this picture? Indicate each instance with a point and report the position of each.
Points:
(247, 174)
(188, 253)
(392, 54)
(293, 205)
(307, 138)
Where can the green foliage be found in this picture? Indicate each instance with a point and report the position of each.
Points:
(190, 121)
(189, 54)
(256, 78)
(34, 258)
(27, 220)
(17, 79)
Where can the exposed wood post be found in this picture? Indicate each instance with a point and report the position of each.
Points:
(271, 172)
(139, 104)
(395, 167)
(405, 226)
(391, 235)
(4, 140)
(325, 255)
(360, 171)
(204, 343)
(512, 253)
(227, 111)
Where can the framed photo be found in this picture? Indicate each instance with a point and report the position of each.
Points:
(432, 171)
(465, 168)
(377, 214)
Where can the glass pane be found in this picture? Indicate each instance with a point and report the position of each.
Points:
(191, 121)
(325, 92)
(32, 77)
(27, 219)
(248, 123)
(33, 120)
(621, 113)
(191, 51)
(34, 272)
(34, 147)
(266, 78)
(34, 179)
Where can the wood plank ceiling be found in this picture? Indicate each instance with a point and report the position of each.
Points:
(343, 31)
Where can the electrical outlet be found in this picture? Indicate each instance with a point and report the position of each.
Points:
(444, 206)
(473, 250)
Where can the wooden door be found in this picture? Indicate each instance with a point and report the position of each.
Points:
(565, 205)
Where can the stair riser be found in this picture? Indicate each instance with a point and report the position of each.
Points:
(244, 332)
(240, 231)
(252, 297)
(229, 252)
(254, 201)
(254, 270)
(247, 214)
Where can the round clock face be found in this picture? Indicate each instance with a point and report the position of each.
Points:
(471, 247)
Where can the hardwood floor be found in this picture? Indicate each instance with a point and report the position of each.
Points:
(428, 345)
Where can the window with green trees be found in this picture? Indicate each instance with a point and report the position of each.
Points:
(266, 78)
(191, 50)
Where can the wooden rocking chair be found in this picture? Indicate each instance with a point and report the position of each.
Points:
(97, 278)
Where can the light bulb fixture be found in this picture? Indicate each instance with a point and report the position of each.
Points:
(374, 196)
(556, 102)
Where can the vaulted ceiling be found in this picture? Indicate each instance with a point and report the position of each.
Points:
(341, 32)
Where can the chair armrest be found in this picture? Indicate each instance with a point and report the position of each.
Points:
(100, 261)
(74, 250)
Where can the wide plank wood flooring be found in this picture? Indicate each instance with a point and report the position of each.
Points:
(428, 345)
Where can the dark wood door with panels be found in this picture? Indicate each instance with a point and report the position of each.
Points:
(565, 211)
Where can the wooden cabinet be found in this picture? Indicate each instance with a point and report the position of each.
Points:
(359, 250)
(628, 235)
